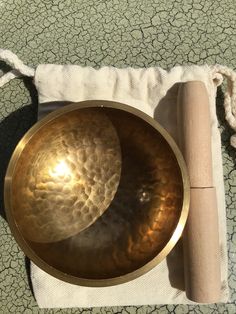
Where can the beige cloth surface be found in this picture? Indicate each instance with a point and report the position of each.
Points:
(154, 91)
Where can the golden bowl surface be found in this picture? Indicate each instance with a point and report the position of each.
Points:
(66, 176)
(135, 182)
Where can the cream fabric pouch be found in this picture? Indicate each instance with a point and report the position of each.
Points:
(154, 91)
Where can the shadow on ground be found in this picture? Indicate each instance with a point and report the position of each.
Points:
(12, 129)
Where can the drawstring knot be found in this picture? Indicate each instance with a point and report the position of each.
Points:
(220, 72)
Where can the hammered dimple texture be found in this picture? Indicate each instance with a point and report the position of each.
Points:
(142, 216)
(66, 176)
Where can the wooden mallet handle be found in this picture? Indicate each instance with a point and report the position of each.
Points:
(201, 235)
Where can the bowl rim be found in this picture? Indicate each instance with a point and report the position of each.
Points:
(65, 276)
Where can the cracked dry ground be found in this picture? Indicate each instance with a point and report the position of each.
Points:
(120, 33)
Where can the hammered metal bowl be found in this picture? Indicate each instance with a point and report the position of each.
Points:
(96, 193)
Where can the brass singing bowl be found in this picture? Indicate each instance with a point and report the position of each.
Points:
(96, 193)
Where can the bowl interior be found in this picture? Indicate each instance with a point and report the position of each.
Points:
(140, 219)
(66, 176)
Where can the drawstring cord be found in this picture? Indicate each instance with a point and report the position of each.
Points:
(219, 73)
(19, 68)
